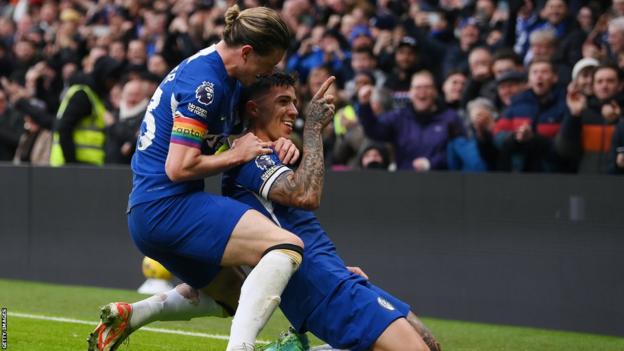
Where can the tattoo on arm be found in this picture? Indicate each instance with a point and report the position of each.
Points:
(304, 187)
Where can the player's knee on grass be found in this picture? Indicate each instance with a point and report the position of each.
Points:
(400, 336)
(424, 332)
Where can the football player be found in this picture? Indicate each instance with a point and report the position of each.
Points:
(192, 233)
(323, 297)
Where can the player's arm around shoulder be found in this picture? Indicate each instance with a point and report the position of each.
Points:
(303, 188)
(186, 162)
(198, 104)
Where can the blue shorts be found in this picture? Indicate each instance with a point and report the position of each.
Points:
(355, 315)
(186, 233)
(339, 307)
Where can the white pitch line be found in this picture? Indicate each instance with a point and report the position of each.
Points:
(149, 329)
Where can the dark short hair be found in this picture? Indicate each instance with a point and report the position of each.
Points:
(455, 71)
(264, 83)
(507, 54)
(611, 66)
(370, 76)
(364, 50)
(549, 62)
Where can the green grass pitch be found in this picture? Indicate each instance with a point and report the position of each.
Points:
(81, 304)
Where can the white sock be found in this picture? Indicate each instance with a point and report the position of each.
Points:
(260, 295)
(172, 306)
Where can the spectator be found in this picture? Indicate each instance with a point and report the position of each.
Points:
(588, 128)
(361, 37)
(543, 47)
(328, 52)
(615, 38)
(121, 136)
(45, 84)
(506, 60)
(117, 51)
(407, 62)
(36, 141)
(543, 44)
(478, 153)
(508, 85)
(481, 81)
(347, 130)
(158, 66)
(457, 56)
(137, 56)
(363, 60)
(616, 159)
(453, 88)
(525, 132)
(79, 134)
(351, 139)
(569, 51)
(11, 127)
(484, 15)
(374, 156)
(617, 9)
(25, 57)
(47, 47)
(583, 75)
(418, 132)
(555, 19)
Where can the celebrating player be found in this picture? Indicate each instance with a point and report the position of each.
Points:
(340, 307)
(193, 233)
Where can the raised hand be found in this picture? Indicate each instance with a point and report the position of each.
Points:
(320, 110)
(364, 95)
(619, 161)
(524, 133)
(575, 100)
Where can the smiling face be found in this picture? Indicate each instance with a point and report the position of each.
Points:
(423, 92)
(555, 11)
(273, 115)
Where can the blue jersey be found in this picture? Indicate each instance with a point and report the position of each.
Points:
(322, 269)
(195, 105)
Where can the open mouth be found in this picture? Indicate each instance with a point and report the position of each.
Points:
(289, 123)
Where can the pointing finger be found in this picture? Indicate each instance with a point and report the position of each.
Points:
(321, 92)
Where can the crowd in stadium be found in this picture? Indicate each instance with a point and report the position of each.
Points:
(472, 85)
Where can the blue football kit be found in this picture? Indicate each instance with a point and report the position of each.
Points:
(187, 230)
(178, 224)
(323, 297)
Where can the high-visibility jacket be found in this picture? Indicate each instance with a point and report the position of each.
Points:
(89, 135)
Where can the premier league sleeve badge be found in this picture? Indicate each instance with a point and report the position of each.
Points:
(205, 93)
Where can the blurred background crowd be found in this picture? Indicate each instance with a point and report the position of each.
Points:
(470, 85)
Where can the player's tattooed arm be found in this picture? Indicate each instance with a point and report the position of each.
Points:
(303, 188)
